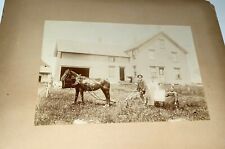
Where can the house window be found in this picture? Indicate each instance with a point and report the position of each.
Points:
(133, 54)
(161, 71)
(177, 73)
(112, 59)
(157, 71)
(135, 71)
(161, 43)
(151, 54)
(112, 71)
(174, 56)
(39, 78)
(153, 71)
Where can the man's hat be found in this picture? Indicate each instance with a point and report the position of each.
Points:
(140, 75)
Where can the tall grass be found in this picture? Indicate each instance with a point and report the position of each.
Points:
(57, 108)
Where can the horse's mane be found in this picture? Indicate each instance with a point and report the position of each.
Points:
(74, 73)
(66, 73)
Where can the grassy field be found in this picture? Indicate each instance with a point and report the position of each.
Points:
(57, 108)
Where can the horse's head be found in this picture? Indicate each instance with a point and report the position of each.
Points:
(65, 74)
(69, 74)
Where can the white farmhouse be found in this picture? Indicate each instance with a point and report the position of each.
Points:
(159, 59)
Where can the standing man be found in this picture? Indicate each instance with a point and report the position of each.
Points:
(141, 88)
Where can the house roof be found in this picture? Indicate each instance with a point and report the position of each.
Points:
(67, 46)
(45, 69)
(154, 37)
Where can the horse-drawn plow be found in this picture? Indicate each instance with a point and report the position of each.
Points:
(58, 107)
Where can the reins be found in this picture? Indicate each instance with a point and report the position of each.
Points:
(93, 94)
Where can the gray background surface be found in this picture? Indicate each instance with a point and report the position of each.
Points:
(21, 35)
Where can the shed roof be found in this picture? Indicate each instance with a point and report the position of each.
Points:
(45, 69)
(67, 46)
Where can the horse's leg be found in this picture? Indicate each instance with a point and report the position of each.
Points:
(107, 95)
(76, 95)
(82, 95)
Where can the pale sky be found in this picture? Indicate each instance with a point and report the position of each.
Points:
(1, 8)
(122, 36)
(220, 6)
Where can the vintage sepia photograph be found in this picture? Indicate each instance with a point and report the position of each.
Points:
(92, 72)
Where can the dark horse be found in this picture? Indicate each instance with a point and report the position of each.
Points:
(82, 84)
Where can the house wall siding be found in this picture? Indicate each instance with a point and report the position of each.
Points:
(163, 57)
(158, 53)
(98, 65)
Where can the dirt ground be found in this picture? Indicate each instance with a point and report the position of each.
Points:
(57, 108)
